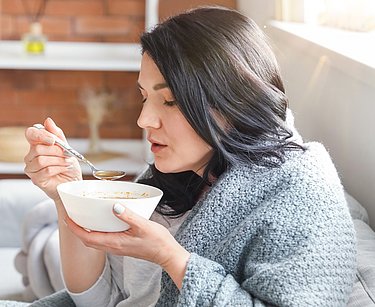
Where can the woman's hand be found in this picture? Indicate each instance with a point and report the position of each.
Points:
(144, 239)
(46, 164)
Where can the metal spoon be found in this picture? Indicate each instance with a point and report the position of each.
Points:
(99, 174)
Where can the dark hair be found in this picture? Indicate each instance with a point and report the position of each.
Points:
(226, 82)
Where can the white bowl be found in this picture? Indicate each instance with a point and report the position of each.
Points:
(89, 203)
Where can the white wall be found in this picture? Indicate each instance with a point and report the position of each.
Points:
(261, 11)
(332, 104)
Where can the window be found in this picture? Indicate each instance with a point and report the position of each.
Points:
(352, 15)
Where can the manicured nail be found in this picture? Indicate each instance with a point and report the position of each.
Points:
(67, 154)
(49, 140)
(69, 163)
(118, 209)
(51, 121)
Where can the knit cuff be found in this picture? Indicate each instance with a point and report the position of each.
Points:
(201, 281)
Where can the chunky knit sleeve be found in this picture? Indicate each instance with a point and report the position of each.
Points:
(206, 283)
(286, 263)
(283, 238)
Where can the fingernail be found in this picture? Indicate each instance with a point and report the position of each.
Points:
(49, 140)
(51, 121)
(118, 209)
(64, 221)
(67, 153)
(69, 161)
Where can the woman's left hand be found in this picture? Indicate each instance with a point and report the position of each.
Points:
(144, 239)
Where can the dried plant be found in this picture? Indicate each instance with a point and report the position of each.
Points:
(98, 105)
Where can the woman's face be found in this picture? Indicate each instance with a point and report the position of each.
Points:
(174, 143)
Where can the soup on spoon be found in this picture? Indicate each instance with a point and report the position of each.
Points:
(99, 174)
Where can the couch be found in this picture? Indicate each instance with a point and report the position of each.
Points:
(363, 293)
(17, 198)
(29, 246)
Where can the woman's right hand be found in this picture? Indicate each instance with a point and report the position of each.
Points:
(46, 164)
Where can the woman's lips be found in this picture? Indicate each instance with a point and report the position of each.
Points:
(155, 147)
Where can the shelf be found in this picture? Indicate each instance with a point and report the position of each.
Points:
(130, 157)
(72, 56)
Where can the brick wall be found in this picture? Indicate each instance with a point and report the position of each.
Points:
(76, 20)
(27, 97)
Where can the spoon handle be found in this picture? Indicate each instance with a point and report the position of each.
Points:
(70, 150)
(67, 147)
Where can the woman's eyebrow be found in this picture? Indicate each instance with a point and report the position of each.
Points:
(159, 86)
(156, 87)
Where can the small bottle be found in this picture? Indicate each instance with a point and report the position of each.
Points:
(34, 42)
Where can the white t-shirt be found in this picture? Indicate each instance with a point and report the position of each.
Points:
(136, 280)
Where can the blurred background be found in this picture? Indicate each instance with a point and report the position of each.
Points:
(29, 96)
(77, 61)
(325, 48)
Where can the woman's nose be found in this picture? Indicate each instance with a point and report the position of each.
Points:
(148, 117)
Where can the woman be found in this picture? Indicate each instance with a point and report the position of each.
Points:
(250, 215)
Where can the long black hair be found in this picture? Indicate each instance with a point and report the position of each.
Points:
(226, 82)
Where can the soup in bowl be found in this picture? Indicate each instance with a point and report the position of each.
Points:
(89, 203)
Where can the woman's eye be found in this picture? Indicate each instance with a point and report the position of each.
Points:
(170, 103)
(144, 99)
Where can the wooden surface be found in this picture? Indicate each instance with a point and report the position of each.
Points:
(85, 177)
(121, 154)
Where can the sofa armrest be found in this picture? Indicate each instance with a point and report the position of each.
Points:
(38, 260)
(17, 197)
(363, 293)
(357, 211)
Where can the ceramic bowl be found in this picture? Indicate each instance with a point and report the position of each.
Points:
(89, 203)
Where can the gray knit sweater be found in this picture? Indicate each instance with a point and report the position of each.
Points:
(260, 236)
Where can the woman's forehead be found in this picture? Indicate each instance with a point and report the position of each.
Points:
(150, 73)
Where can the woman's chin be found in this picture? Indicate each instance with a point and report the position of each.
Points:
(163, 168)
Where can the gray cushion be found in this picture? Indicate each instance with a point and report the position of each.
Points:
(11, 286)
(17, 197)
(51, 256)
(363, 293)
(356, 209)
